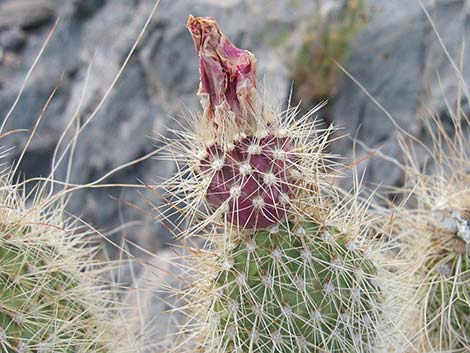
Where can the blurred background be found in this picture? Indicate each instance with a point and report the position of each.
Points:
(389, 47)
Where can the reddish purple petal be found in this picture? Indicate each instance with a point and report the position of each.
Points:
(228, 74)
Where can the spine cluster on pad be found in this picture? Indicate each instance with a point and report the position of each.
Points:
(295, 287)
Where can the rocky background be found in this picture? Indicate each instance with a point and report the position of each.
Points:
(395, 55)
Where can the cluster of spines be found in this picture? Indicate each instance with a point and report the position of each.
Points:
(256, 183)
(252, 179)
(434, 235)
(295, 287)
(46, 306)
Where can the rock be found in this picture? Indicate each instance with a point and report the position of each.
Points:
(386, 60)
(85, 8)
(13, 39)
(26, 13)
(151, 299)
(397, 58)
(441, 77)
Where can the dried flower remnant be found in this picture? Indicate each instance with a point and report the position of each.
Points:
(228, 82)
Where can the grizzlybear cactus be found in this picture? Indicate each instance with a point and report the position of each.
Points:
(285, 266)
(445, 287)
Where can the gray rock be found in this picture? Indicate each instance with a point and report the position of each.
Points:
(441, 77)
(398, 59)
(26, 13)
(152, 305)
(13, 39)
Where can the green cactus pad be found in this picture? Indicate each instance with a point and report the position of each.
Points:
(296, 289)
(447, 298)
(46, 304)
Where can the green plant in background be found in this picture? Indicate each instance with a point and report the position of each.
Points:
(327, 39)
(53, 297)
(286, 264)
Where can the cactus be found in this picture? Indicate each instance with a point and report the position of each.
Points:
(285, 265)
(434, 243)
(296, 288)
(435, 236)
(445, 292)
(53, 297)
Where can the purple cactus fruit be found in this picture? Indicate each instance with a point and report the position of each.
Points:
(253, 177)
(245, 156)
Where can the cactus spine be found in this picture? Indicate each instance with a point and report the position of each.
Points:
(284, 267)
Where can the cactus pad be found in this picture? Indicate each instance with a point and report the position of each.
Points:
(44, 305)
(296, 289)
